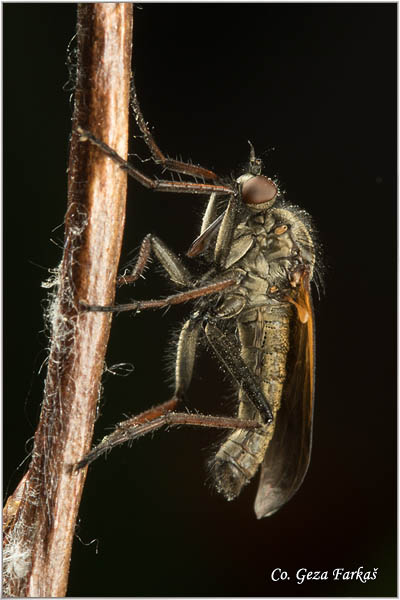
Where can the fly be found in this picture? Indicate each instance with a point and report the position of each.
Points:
(254, 309)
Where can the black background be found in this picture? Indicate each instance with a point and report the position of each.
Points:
(316, 82)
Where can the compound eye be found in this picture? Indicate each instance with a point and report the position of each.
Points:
(258, 189)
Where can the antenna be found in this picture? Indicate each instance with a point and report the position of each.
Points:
(255, 164)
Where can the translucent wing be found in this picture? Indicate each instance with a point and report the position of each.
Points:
(288, 454)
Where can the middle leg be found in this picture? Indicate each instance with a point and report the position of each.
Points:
(171, 263)
(139, 305)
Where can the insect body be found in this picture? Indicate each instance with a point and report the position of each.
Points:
(271, 304)
(259, 325)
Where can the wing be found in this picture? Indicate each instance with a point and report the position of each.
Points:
(288, 454)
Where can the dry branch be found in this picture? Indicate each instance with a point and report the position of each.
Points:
(40, 516)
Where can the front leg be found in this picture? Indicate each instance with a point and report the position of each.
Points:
(225, 233)
(158, 156)
(222, 227)
(161, 185)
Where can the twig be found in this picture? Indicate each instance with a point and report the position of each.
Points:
(40, 516)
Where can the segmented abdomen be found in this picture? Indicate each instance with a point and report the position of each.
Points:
(264, 340)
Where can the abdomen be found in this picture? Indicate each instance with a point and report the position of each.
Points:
(264, 340)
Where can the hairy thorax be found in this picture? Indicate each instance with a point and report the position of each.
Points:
(269, 251)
